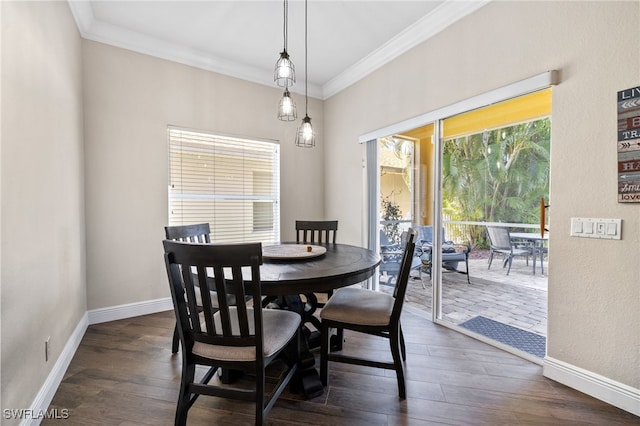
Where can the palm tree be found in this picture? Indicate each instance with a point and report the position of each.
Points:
(498, 175)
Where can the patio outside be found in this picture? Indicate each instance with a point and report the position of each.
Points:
(518, 299)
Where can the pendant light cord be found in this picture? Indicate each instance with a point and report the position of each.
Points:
(286, 19)
(306, 67)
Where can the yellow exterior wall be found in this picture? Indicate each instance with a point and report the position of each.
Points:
(524, 108)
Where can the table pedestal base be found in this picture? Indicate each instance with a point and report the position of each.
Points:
(308, 378)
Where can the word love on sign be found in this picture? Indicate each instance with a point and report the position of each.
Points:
(629, 145)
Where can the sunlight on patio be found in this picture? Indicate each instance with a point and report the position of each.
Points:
(518, 299)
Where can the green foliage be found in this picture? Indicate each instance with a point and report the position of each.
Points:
(498, 175)
(391, 213)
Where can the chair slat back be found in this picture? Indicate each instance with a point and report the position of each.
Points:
(499, 237)
(197, 233)
(384, 240)
(226, 269)
(425, 234)
(314, 231)
(403, 276)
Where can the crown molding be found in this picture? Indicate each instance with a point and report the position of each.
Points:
(431, 24)
(82, 14)
(436, 21)
(92, 29)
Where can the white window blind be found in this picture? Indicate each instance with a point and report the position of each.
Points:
(231, 183)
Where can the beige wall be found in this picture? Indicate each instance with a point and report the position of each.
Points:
(129, 100)
(394, 189)
(42, 204)
(594, 285)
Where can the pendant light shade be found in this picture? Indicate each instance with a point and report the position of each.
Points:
(287, 109)
(285, 72)
(306, 137)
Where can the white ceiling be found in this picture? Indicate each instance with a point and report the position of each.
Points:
(346, 39)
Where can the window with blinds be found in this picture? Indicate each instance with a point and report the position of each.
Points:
(231, 183)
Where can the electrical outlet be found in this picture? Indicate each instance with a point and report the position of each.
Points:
(47, 347)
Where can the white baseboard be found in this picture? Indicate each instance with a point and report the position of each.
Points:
(45, 395)
(113, 313)
(48, 390)
(617, 394)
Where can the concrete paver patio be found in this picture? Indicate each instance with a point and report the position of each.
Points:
(518, 299)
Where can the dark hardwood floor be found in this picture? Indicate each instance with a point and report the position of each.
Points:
(124, 374)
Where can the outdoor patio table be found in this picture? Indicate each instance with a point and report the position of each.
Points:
(538, 243)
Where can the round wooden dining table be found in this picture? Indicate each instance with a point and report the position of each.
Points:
(286, 278)
(340, 265)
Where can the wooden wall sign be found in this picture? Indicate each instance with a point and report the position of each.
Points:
(629, 145)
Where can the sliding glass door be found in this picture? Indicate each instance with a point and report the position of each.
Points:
(458, 174)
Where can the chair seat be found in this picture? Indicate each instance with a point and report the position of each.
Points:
(454, 257)
(393, 267)
(359, 306)
(212, 295)
(231, 299)
(513, 252)
(278, 327)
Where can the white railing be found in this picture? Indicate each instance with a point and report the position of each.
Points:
(459, 230)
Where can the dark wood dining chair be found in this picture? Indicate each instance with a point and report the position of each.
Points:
(321, 232)
(196, 233)
(370, 312)
(244, 337)
(316, 231)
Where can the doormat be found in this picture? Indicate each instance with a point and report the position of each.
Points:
(509, 335)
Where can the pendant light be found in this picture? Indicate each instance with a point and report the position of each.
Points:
(287, 109)
(285, 72)
(306, 137)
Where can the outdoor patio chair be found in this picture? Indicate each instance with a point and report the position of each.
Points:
(500, 242)
(451, 257)
(391, 257)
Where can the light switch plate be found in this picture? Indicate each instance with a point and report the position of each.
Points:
(610, 229)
